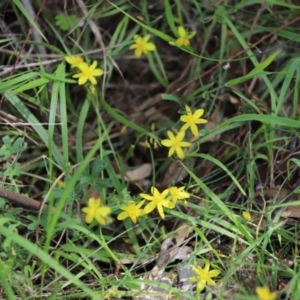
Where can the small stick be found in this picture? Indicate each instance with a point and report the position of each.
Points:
(22, 200)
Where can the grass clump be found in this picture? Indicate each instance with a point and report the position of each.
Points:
(149, 150)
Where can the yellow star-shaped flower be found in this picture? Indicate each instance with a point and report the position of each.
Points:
(95, 210)
(142, 45)
(74, 61)
(175, 143)
(88, 73)
(132, 211)
(158, 200)
(192, 119)
(264, 293)
(178, 193)
(184, 37)
(204, 276)
(247, 215)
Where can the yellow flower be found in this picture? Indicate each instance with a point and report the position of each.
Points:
(175, 143)
(74, 61)
(246, 215)
(191, 120)
(141, 45)
(204, 276)
(132, 211)
(88, 73)
(184, 37)
(61, 184)
(158, 200)
(264, 293)
(95, 210)
(178, 193)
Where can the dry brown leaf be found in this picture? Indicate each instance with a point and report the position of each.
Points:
(176, 173)
(141, 172)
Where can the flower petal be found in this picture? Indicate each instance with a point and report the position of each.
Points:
(185, 126)
(165, 193)
(168, 204)
(94, 64)
(201, 121)
(184, 118)
(188, 109)
(210, 282)
(146, 196)
(103, 210)
(206, 268)
(149, 207)
(179, 152)
(201, 285)
(94, 203)
(180, 135)
(185, 144)
(161, 211)
(154, 190)
(146, 38)
(69, 60)
(85, 210)
(194, 130)
(138, 53)
(132, 47)
(98, 72)
(93, 80)
(139, 205)
(101, 219)
(167, 143)
(89, 218)
(198, 113)
(170, 135)
(83, 66)
(150, 47)
(214, 273)
(123, 215)
(191, 34)
(181, 32)
(82, 80)
(171, 151)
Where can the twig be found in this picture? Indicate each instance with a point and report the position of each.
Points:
(36, 36)
(22, 200)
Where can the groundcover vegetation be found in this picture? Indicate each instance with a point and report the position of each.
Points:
(149, 149)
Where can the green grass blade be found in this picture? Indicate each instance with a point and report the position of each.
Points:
(46, 258)
(29, 18)
(30, 118)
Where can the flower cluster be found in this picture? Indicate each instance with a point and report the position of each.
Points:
(167, 198)
(159, 200)
(176, 143)
(85, 72)
(142, 45)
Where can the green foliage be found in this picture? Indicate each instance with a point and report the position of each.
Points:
(11, 170)
(89, 137)
(11, 147)
(66, 22)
